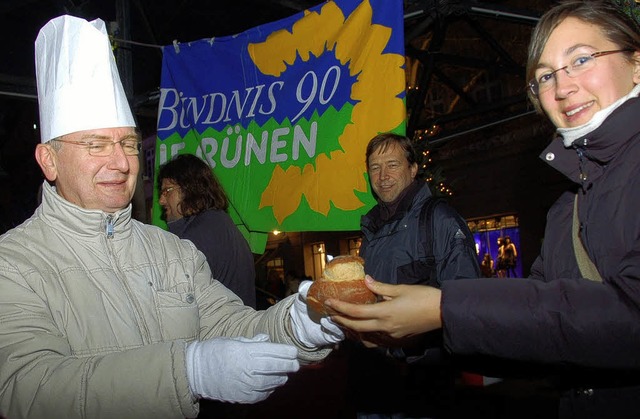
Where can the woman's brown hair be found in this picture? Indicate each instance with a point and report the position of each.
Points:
(615, 25)
(199, 186)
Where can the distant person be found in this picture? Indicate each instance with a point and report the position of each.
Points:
(275, 286)
(291, 282)
(102, 316)
(486, 266)
(195, 208)
(501, 266)
(510, 253)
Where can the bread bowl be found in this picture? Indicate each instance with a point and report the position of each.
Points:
(342, 279)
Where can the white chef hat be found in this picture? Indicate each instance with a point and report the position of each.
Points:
(78, 83)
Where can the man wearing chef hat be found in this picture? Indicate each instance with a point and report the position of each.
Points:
(104, 316)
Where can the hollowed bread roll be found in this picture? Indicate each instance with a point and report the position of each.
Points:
(342, 279)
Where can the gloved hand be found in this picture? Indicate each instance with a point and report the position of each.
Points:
(239, 370)
(312, 332)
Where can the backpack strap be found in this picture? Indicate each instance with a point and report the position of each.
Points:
(426, 225)
(587, 268)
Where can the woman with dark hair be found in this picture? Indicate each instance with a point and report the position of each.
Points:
(195, 208)
(579, 312)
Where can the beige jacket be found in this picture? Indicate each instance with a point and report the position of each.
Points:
(96, 310)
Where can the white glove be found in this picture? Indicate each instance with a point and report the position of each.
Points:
(312, 332)
(239, 370)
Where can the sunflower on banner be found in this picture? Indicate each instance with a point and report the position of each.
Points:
(283, 112)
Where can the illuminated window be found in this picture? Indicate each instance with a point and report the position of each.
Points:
(275, 263)
(489, 231)
(319, 259)
(354, 246)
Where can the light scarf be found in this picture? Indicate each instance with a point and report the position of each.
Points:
(569, 135)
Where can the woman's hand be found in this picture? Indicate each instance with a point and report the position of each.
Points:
(405, 310)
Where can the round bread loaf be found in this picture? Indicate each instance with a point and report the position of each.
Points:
(342, 279)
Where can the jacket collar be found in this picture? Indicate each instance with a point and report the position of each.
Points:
(69, 218)
(418, 193)
(397, 208)
(569, 135)
(585, 160)
(179, 226)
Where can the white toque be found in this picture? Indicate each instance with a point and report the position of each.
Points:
(78, 83)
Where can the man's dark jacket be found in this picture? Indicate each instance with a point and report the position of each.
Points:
(227, 251)
(394, 251)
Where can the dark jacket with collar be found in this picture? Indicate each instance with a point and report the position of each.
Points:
(227, 251)
(385, 384)
(557, 317)
(394, 251)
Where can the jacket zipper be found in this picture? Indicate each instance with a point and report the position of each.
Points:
(582, 155)
(583, 175)
(109, 227)
(146, 336)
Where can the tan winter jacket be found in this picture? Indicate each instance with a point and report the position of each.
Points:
(96, 310)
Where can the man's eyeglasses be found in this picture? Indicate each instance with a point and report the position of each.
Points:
(577, 65)
(104, 148)
(165, 191)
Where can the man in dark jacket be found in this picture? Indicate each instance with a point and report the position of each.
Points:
(402, 244)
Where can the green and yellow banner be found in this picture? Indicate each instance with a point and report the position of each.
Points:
(283, 113)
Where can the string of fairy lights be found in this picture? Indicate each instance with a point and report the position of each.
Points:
(431, 172)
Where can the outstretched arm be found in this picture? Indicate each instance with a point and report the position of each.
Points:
(406, 310)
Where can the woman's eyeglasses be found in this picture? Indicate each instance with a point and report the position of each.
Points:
(577, 65)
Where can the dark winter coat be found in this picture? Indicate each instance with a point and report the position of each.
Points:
(227, 251)
(394, 251)
(558, 317)
(413, 380)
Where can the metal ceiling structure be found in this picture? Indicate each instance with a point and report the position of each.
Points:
(466, 65)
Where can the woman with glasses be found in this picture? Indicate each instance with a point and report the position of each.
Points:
(195, 207)
(579, 312)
